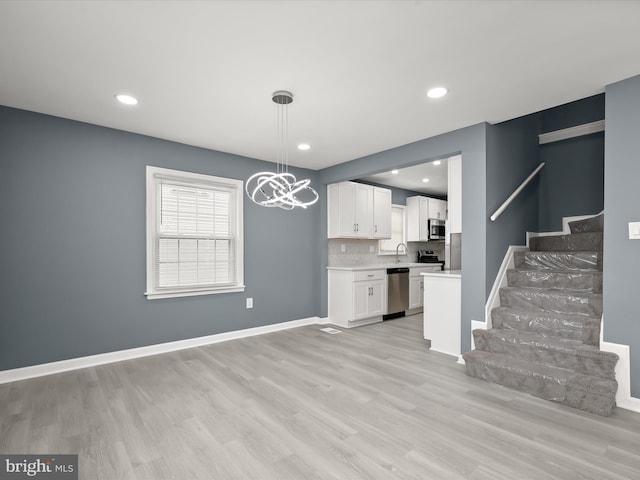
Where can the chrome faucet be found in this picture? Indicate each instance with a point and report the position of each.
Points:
(398, 247)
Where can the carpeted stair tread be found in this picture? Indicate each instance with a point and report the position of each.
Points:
(548, 350)
(552, 300)
(601, 386)
(554, 260)
(592, 224)
(575, 242)
(532, 339)
(586, 392)
(588, 281)
(506, 362)
(563, 325)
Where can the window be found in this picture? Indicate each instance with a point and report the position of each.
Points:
(194, 234)
(388, 247)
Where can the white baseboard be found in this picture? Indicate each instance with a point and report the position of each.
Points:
(476, 325)
(623, 376)
(24, 373)
(493, 300)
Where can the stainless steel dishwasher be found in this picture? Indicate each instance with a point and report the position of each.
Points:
(397, 292)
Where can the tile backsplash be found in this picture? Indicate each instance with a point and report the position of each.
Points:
(358, 252)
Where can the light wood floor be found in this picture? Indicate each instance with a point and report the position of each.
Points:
(368, 403)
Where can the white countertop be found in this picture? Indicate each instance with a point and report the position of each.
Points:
(384, 266)
(444, 273)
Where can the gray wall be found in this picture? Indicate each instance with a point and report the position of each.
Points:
(572, 181)
(622, 205)
(471, 143)
(72, 249)
(512, 154)
(73, 253)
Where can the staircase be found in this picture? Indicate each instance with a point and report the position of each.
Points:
(546, 332)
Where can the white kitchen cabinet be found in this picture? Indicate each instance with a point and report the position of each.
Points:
(455, 194)
(350, 210)
(419, 211)
(417, 219)
(381, 212)
(367, 299)
(356, 297)
(356, 210)
(416, 285)
(437, 209)
(442, 311)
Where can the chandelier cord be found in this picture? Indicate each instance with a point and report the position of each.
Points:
(279, 189)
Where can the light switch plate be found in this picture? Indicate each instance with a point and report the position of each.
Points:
(634, 230)
(343, 248)
(250, 302)
(372, 249)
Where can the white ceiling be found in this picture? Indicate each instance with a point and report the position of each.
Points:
(204, 71)
(411, 178)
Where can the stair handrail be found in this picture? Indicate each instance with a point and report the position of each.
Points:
(515, 193)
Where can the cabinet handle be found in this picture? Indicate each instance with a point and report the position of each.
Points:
(357, 227)
(354, 227)
(370, 275)
(376, 229)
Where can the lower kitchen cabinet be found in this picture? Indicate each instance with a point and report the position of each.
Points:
(356, 297)
(442, 311)
(416, 285)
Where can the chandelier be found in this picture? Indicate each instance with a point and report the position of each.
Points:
(281, 188)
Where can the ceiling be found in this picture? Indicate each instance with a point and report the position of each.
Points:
(411, 178)
(204, 71)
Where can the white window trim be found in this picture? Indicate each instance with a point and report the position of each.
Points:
(404, 232)
(151, 219)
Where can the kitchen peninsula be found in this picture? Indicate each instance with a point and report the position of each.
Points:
(442, 305)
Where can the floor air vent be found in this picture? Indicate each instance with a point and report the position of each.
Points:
(330, 330)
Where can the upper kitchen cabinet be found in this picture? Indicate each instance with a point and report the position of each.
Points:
(417, 219)
(356, 210)
(437, 209)
(381, 212)
(419, 211)
(455, 194)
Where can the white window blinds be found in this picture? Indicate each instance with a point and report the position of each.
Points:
(397, 231)
(195, 233)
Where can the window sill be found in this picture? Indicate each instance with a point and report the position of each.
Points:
(193, 293)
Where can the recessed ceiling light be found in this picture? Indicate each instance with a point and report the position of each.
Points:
(425, 180)
(126, 99)
(437, 162)
(395, 172)
(304, 146)
(437, 92)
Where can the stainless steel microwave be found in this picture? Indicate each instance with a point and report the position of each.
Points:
(436, 229)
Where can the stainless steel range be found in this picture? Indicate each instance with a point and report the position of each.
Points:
(427, 256)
